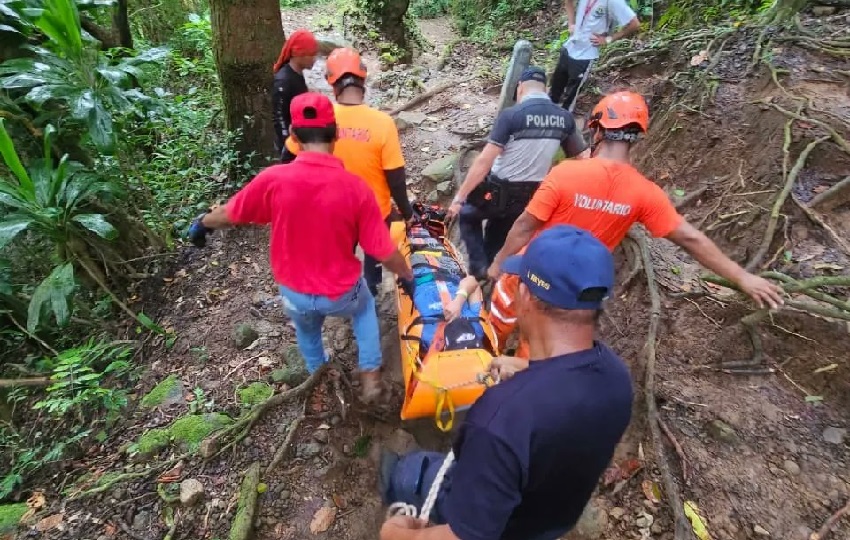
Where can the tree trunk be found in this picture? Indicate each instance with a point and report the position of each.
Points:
(783, 11)
(392, 24)
(121, 24)
(247, 37)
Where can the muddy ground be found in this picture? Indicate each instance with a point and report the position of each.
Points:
(765, 454)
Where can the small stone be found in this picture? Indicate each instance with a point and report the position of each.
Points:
(433, 197)
(616, 512)
(321, 436)
(283, 495)
(346, 449)
(247, 441)
(656, 528)
(721, 431)
(823, 11)
(217, 503)
(644, 520)
(243, 335)
(191, 492)
(309, 450)
(803, 533)
(336, 420)
(444, 188)
(320, 473)
(118, 493)
(412, 118)
(834, 435)
(593, 522)
(759, 530)
(260, 298)
(142, 520)
(440, 170)
(791, 468)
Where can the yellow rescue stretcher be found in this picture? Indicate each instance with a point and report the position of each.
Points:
(437, 381)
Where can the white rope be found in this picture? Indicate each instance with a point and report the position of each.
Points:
(404, 509)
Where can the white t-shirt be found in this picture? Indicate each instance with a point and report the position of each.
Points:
(602, 15)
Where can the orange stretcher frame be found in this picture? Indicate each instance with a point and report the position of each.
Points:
(441, 382)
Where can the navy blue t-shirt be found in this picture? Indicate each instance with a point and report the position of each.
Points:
(533, 448)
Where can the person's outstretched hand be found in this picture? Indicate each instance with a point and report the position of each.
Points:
(505, 367)
(394, 526)
(761, 291)
(198, 232)
(494, 272)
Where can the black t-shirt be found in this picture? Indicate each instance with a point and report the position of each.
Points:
(533, 448)
(287, 84)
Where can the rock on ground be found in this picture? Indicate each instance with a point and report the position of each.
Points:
(191, 492)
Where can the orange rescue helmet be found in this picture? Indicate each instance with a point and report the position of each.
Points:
(619, 110)
(343, 62)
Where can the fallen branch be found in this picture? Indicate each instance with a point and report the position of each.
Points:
(790, 178)
(691, 197)
(243, 426)
(678, 447)
(425, 96)
(830, 523)
(33, 381)
(836, 137)
(282, 449)
(840, 191)
(682, 528)
(243, 522)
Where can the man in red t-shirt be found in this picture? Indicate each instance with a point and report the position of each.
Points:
(318, 213)
(606, 195)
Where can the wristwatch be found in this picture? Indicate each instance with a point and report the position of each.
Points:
(608, 40)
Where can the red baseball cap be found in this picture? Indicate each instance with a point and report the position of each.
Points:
(312, 110)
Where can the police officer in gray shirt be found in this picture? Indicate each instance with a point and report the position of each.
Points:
(506, 174)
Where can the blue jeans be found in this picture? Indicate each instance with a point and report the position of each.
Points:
(308, 312)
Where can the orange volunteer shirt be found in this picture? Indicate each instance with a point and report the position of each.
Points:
(605, 198)
(368, 145)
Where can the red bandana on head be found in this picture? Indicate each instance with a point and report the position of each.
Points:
(300, 43)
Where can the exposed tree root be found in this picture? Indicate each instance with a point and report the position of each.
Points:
(678, 447)
(421, 98)
(238, 430)
(172, 530)
(682, 528)
(790, 178)
(830, 523)
(816, 218)
(833, 196)
(243, 523)
(836, 137)
(284, 446)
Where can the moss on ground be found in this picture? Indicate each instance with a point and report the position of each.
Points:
(255, 393)
(191, 430)
(10, 515)
(188, 431)
(161, 392)
(152, 441)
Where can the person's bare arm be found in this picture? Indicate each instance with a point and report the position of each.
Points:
(396, 264)
(709, 255)
(467, 289)
(570, 8)
(520, 234)
(217, 218)
(630, 29)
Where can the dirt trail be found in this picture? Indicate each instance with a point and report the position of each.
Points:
(760, 457)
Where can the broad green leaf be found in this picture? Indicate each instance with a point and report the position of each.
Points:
(60, 21)
(97, 224)
(55, 289)
(9, 29)
(10, 157)
(100, 127)
(83, 104)
(21, 80)
(148, 323)
(10, 227)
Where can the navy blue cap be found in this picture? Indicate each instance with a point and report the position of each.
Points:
(566, 267)
(533, 73)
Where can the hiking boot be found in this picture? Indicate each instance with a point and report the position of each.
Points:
(371, 385)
